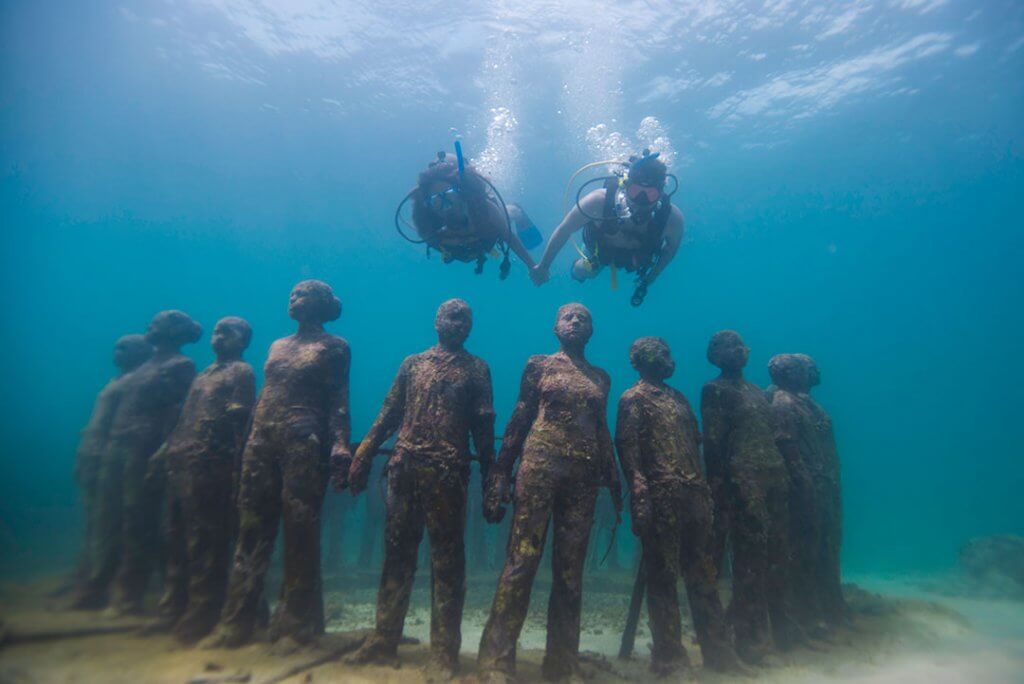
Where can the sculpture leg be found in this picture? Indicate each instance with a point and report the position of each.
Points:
(446, 525)
(573, 517)
(661, 561)
(259, 512)
(786, 631)
(749, 534)
(402, 536)
(533, 502)
(701, 576)
(300, 610)
(207, 516)
(140, 526)
(175, 596)
(106, 530)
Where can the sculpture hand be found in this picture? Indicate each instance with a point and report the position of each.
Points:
(640, 508)
(340, 462)
(494, 496)
(359, 472)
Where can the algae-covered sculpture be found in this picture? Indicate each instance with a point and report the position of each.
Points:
(658, 442)
(439, 400)
(748, 482)
(828, 496)
(559, 434)
(795, 438)
(202, 456)
(130, 506)
(298, 440)
(130, 352)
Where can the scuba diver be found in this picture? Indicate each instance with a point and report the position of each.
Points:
(459, 213)
(630, 223)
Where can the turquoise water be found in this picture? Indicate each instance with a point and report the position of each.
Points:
(851, 178)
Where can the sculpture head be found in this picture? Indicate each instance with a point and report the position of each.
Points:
(790, 373)
(313, 301)
(813, 373)
(453, 322)
(172, 329)
(131, 351)
(727, 351)
(574, 325)
(652, 358)
(231, 337)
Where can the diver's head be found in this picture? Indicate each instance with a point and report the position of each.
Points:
(172, 328)
(444, 197)
(574, 325)
(313, 301)
(453, 322)
(131, 351)
(727, 351)
(646, 180)
(652, 358)
(790, 373)
(813, 372)
(231, 337)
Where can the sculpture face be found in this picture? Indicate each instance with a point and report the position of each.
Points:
(453, 322)
(790, 373)
(231, 336)
(173, 328)
(813, 373)
(574, 325)
(652, 358)
(727, 351)
(313, 301)
(131, 351)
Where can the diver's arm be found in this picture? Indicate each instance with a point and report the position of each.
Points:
(673, 238)
(518, 247)
(593, 204)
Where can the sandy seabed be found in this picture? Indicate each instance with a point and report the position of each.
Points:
(902, 633)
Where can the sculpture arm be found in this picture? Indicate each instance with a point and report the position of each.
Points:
(482, 426)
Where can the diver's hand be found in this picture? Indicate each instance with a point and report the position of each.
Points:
(494, 496)
(539, 274)
(359, 472)
(339, 464)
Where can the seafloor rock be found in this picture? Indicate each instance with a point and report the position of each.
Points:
(995, 565)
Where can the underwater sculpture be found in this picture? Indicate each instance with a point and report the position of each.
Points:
(298, 440)
(128, 529)
(439, 399)
(658, 442)
(828, 496)
(129, 512)
(201, 457)
(130, 352)
(559, 433)
(795, 428)
(748, 482)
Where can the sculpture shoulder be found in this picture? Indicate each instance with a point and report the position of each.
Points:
(604, 378)
(240, 371)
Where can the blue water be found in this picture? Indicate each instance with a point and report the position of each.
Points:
(851, 175)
